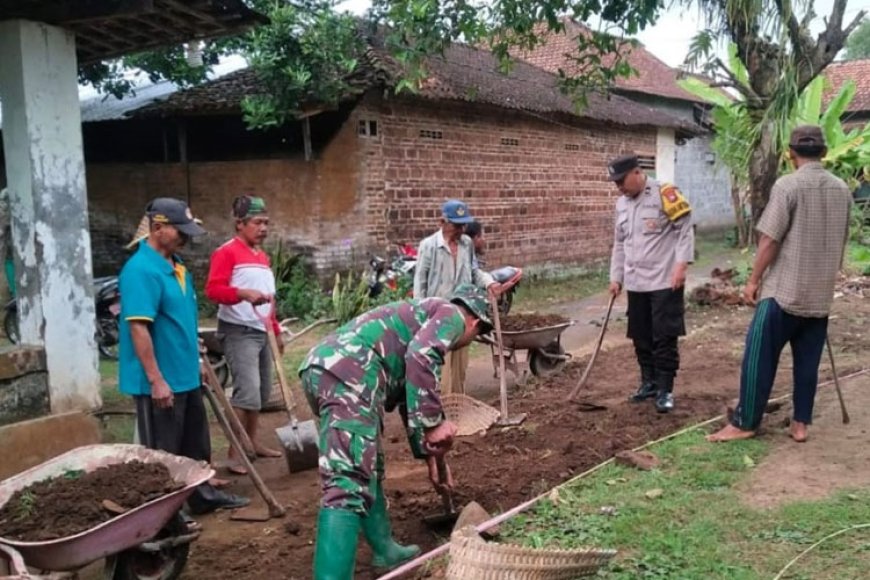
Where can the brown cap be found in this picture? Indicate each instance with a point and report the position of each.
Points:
(807, 137)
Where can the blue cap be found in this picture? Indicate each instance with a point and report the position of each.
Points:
(456, 212)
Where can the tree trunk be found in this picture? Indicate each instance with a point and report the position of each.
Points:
(763, 165)
(738, 202)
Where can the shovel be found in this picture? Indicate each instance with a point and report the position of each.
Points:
(504, 420)
(449, 515)
(298, 439)
(585, 376)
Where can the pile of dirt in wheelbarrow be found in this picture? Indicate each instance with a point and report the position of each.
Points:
(77, 501)
(529, 320)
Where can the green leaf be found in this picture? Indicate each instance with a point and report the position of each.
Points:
(704, 91)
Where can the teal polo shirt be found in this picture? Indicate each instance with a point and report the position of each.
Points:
(154, 291)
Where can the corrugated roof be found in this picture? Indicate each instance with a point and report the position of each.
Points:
(109, 108)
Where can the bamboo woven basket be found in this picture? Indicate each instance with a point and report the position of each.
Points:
(470, 415)
(471, 558)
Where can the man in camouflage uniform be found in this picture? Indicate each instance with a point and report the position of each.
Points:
(386, 358)
(654, 242)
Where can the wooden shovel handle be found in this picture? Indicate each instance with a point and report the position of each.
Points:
(502, 381)
(277, 359)
(585, 376)
(276, 510)
(214, 386)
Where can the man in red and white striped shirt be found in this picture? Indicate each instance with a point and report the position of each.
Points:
(241, 282)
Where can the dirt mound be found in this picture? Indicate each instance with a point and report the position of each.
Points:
(722, 291)
(76, 501)
(529, 320)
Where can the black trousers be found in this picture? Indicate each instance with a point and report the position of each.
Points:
(181, 430)
(655, 321)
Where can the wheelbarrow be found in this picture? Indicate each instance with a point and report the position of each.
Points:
(150, 541)
(544, 352)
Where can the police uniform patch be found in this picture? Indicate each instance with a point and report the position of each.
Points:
(674, 205)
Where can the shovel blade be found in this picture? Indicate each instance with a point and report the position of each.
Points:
(300, 445)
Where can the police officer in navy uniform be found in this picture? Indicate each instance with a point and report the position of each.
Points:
(653, 244)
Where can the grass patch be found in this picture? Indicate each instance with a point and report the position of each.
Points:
(698, 528)
(534, 291)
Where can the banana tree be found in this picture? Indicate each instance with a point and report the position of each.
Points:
(848, 153)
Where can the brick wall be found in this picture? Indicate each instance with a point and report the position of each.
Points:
(539, 186)
(315, 207)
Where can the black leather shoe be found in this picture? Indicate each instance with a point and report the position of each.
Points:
(206, 499)
(664, 402)
(647, 390)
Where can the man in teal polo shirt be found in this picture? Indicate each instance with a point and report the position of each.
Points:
(159, 348)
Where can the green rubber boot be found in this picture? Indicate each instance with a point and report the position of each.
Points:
(386, 552)
(335, 553)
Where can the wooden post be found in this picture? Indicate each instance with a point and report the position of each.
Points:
(306, 138)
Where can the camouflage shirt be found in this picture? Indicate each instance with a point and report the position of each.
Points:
(393, 355)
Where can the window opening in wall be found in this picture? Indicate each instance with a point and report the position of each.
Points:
(431, 134)
(647, 162)
(572, 147)
(367, 128)
(510, 141)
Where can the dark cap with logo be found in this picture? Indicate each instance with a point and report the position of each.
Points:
(807, 137)
(456, 212)
(619, 167)
(173, 212)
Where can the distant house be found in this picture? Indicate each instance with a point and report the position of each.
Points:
(837, 73)
(683, 158)
(374, 171)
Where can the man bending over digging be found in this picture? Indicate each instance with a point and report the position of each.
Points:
(386, 358)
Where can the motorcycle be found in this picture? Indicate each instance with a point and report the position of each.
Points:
(107, 300)
(390, 276)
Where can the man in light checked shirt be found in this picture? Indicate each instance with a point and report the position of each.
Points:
(802, 239)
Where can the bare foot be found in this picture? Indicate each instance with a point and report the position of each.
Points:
(729, 433)
(798, 431)
(218, 483)
(266, 452)
(237, 469)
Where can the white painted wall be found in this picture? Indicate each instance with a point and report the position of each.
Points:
(666, 154)
(46, 179)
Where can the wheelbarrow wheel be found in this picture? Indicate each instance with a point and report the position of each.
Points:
(168, 564)
(542, 365)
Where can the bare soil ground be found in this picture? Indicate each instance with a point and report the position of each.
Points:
(508, 466)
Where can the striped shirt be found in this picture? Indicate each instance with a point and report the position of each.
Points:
(808, 215)
(437, 273)
(236, 266)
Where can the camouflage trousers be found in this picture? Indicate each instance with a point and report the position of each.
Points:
(351, 454)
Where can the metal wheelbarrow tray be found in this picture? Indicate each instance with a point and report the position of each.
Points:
(545, 354)
(120, 533)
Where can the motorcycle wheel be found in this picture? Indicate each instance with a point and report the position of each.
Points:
(541, 365)
(221, 368)
(135, 564)
(10, 325)
(108, 336)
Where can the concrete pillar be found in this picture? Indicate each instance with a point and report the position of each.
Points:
(45, 172)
